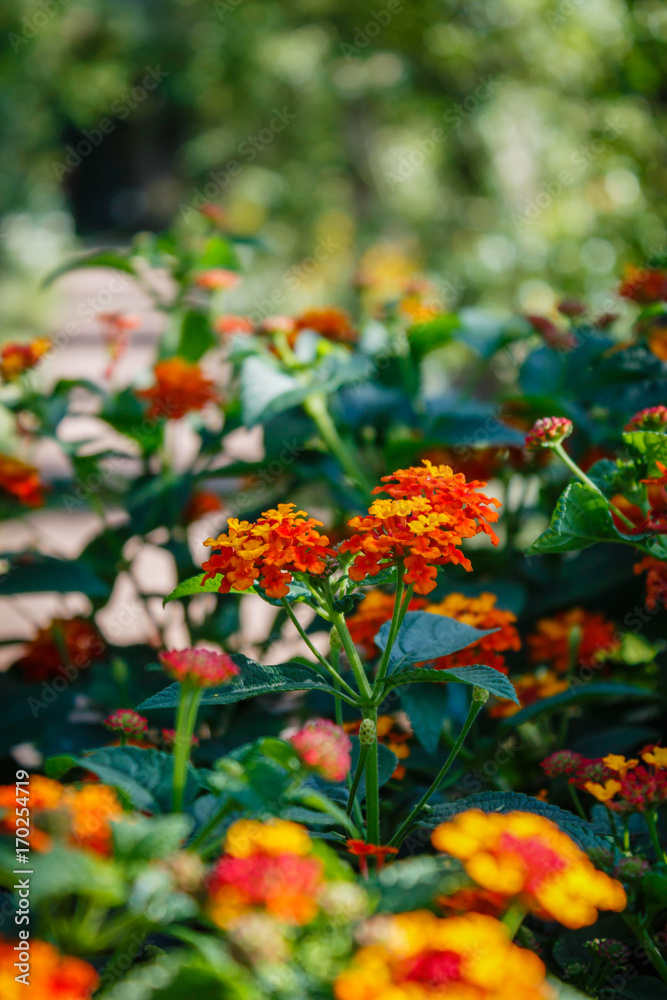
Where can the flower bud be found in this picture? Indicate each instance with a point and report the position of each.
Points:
(653, 418)
(480, 695)
(548, 432)
(367, 733)
(126, 721)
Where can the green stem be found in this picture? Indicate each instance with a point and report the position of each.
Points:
(581, 475)
(354, 785)
(372, 786)
(406, 826)
(315, 406)
(338, 621)
(393, 630)
(209, 827)
(186, 719)
(644, 938)
(650, 818)
(574, 795)
(325, 663)
(514, 918)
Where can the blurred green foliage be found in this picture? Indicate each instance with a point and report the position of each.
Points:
(511, 145)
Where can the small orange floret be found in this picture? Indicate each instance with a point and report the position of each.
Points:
(530, 688)
(430, 512)
(180, 387)
(268, 552)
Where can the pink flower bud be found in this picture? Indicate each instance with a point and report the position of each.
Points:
(547, 432)
(324, 747)
(653, 418)
(199, 667)
(126, 721)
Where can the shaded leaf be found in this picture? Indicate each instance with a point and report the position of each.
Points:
(424, 636)
(586, 692)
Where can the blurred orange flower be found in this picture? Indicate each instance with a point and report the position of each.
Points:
(21, 481)
(180, 387)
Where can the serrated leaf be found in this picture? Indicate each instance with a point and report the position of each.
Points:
(253, 680)
(579, 830)
(574, 696)
(476, 675)
(581, 518)
(424, 636)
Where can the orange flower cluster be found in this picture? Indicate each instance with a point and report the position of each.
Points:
(529, 688)
(480, 612)
(526, 857)
(85, 813)
(63, 648)
(418, 956)
(180, 387)
(269, 551)
(333, 324)
(393, 733)
(430, 512)
(21, 481)
(52, 976)
(15, 358)
(216, 279)
(552, 642)
(644, 285)
(266, 866)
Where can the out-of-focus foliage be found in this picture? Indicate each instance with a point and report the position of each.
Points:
(514, 144)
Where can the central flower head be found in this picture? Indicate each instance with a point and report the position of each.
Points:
(430, 511)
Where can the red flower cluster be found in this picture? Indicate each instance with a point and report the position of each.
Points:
(66, 646)
(653, 418)
(199, 668)
(547, 432)
(269, 551)
(623, 785)
(180, 387)
(51, 976)
(430, 512)
(266, 866)
(21, 481)
(656, 581)
(127, 722)
(644, 285)
(15, 358)
(324, 747)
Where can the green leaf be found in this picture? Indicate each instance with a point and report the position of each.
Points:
(424, 636)
(217, 253)
(32, 573)
(98, 258)
(415, 883)
(266, 391)
(577, 695)
(477, 675)
(194, 585)
(143, 776)
(651, 445)
(196, 337)
(253, 680)
(63, 872)
(426, 707)
(579, 830)
(139, 838)
(581, 518)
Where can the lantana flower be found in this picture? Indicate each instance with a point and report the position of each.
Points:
(324, 747)
(52, 976)
(16, 358)
(551, 643)
(216, 279)
(180, 387)
(625, 786)
(268, 551)
(528, 858)
(656, 581)
(267, 867)
(333, 324)
(198, 668)
(430, 511)
(529, 688)
(418, 956)
(547, 432)
(644, 285)
(653, 418)
(21, 481)
(63, 648)
(127, 722)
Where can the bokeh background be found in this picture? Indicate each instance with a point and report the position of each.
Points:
(515, 148)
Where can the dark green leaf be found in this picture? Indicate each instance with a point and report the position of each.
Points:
(196, 337)
(254, 679)
(577, 695)
(32, 572)
(424, 636)
(477, 675)
(426, 707)
(581, 518)
(415, 883)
